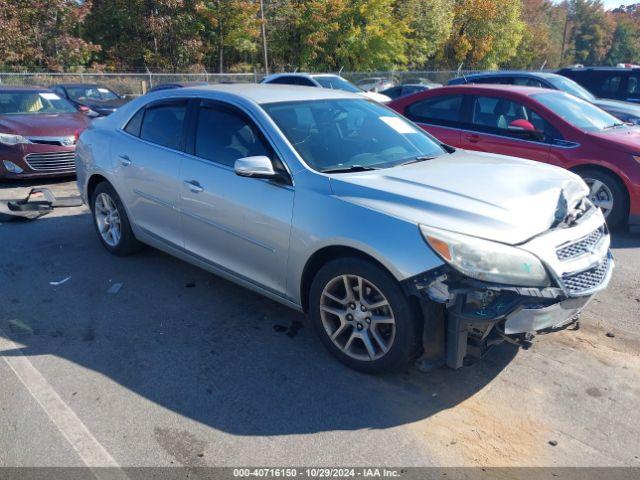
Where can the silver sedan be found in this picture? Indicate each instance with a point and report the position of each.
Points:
(397, 246)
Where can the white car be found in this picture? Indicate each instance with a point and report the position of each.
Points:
(322, 80)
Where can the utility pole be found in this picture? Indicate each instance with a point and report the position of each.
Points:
(264, 38)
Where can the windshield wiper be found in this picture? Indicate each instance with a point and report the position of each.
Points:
(614, 125)
(352, 168)
(419, 158)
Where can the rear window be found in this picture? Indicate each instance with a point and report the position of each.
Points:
(439, 110)
(163, 124)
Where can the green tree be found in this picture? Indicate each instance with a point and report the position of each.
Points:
(591, 32)
(37, 34)
(429, 25)
(486, 33)
(231, 26)
(625, 46)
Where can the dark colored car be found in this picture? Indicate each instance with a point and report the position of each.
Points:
(38, 133)
(169, 86)
(625, 111)
(539, 124)
(89, 97)
(408, 89)
(617, 83)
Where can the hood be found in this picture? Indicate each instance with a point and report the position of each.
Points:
(624, 138)
(623, 110)
(378, 97)
(43, 125)
(495, 197)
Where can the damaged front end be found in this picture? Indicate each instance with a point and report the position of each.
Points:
(464, 316)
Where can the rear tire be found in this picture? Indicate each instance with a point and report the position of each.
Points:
(373, 330)
(607, 192)
(111, 221)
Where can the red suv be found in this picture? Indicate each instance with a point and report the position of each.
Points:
(548, 126)
(38, 132)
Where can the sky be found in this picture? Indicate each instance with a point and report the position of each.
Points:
(609, 4)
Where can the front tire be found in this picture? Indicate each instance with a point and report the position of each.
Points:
(362, 316)
(607, 193)
(111, 221)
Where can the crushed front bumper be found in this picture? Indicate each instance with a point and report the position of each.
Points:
(475, 315)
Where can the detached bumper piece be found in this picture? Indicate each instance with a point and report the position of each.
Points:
(39, 202)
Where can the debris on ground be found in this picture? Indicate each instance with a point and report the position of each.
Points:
(553, 443)
(610, 334)
(115, 288)
(60, 282)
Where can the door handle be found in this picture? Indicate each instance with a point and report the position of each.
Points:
(194, 186)
(473, 138)
(125, 161)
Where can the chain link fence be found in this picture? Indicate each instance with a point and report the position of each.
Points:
(134, 84)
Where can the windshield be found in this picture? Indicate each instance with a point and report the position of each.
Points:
(337, 83)
(340, 134)
(23, 103)
(569, 86)
(579, 113)
(100, 94)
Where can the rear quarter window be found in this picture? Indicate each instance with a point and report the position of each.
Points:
(445, 110)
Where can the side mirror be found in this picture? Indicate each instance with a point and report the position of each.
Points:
(526, 128)
(522, 125)
(255, 167)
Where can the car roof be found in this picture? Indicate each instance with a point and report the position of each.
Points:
(513, 73)
(23, 88)
(272, 93)
(599, 69)
(497, 88)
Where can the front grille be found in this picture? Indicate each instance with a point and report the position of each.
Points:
(52, 161)
(586, 280)
(583, 246)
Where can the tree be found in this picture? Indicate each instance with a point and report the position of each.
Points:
(429, 23)
(591, 33)
(542, 36)
(486, 33)
(230, 25)
(156, 34)
(625, 46)
(36, 34)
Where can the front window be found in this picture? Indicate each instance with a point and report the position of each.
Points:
(347, 133)
(100, 94)
(33, 103)
(337, 83)
(569, 86)
(577, 112)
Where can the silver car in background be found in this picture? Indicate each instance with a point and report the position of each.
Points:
(397, 247)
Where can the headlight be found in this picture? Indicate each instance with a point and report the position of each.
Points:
(9, 139)
(486, 260)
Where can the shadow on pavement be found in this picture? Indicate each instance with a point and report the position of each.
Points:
(197, 344)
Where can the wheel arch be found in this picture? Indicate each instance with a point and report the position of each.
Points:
(93, 182)
(322, 257)
(621, 182)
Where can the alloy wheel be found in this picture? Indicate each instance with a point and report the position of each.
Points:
(600, 194)
(108, 219)
(357, 317)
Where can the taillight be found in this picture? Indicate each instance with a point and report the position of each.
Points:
(76, 136)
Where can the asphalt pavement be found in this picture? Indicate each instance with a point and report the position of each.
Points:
(179, 367)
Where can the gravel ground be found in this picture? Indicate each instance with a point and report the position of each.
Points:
(180, 367)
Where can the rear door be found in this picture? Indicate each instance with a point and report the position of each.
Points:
(147, 158)
(488, 129)
(235, 223)
(441, 116)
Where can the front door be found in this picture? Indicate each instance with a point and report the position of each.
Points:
(239, 224)
(489, 130)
